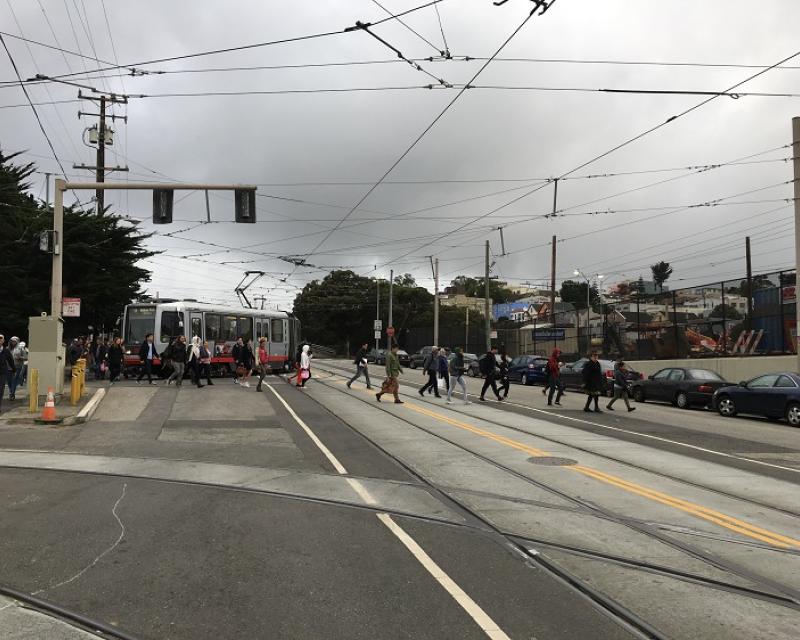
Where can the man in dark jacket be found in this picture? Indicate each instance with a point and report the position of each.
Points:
(147, 353)
(593, 381)
(361, 366)
(620, 387)
(488, 367)
(116, 356)
(431, 367)
(7, 367)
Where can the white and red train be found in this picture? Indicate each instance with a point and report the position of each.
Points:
(219, 325)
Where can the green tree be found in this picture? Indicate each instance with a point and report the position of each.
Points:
(575, 293)
(661, 273)
(730, 313)
(476, 288)
(100, 259)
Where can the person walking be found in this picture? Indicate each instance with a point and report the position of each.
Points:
(502, 373)
(553, 369)
(205, 363)
(361, 366)
(194, 361)
(488, 367)
(305, 366)
(393, 370)
(263, 361)
(248, 361)
(179, 353)
(457, 370)
(430, 367)
(101, 360)
(115, 357)
(444, 368)
(6, 367)
(593, 382)
(20, 355)
(238, 363)
(12, 347)
(621, 387)
(147, 353)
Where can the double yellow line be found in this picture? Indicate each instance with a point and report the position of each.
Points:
(699, 511)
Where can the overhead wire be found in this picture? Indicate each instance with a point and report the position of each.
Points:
(416, 33)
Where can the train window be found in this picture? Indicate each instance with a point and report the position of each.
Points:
(246, 328)
(277, 330)
(212, 327)
(227, 330)
(262, 329)
(171, 325)
(197, 327)
(139, 322)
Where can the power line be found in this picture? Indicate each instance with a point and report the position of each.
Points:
(416, 33)
(446, 52)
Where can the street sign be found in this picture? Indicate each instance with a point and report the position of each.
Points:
(549, 334)
(378, 325)
(71, 307)
(390, 331)
(377, 335)
(493, 335)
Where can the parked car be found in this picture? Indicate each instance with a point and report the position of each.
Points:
(405, 359)
(528, 369)
(572, 378)
(474, 367)
(682, 386)
(375, 355)
(419, 357)
(773, 396)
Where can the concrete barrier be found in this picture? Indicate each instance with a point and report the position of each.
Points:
(733, 369)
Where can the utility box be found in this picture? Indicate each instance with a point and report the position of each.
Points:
(46, 351)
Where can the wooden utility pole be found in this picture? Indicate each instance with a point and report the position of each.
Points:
(748, 318)
(436, 302)
(796, 157)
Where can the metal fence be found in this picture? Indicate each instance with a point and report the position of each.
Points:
(727, 318)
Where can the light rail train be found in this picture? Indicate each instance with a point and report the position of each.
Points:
(218, 324)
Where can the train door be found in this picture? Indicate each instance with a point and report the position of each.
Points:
(196, 326)
(278, 346)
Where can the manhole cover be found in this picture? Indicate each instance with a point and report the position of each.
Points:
(552, 461)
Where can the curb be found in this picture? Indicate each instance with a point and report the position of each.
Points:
(88, 410)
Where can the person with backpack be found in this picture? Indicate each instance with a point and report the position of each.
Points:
(621, 387)
(553, 384)
(502, 373)
(488, 367)
(263, 361)
(179, 354)
(116, 354)
(457, 370)
(430, 367)
(594, 382)
(361, 366)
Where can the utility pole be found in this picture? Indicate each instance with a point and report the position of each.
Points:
(553, 284)
(749, 322)
(486, 308)
(105, 136)
(377, 309)
(466, 333)
(391, 293)
(47, 190)
(796, 160)
(436, 302)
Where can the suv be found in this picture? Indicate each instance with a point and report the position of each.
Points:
(419, 357)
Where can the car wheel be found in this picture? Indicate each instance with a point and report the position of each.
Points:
(524, 379)
(726, 407)
(638, 394)
(682, 400)
(793, 414)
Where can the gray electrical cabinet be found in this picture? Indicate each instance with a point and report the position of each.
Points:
(46, 351)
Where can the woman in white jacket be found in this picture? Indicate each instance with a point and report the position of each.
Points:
(194, 361)
(305, 365)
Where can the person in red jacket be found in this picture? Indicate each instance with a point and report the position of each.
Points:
(554, 377)
(263, 361)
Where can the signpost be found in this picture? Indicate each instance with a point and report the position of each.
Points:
(377, 335)
(71, 307)
(378, 325)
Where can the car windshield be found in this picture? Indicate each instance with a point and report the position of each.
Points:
(705, 374)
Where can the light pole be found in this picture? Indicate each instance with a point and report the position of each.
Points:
(597, 278)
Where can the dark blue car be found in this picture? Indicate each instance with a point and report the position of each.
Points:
(528, 369)
(774, 396)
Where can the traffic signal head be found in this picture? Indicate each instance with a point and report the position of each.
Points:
(245, 203)
(162, 206)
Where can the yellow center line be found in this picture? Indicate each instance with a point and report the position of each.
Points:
(699, 511)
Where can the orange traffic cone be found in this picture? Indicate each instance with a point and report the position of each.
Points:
(49, 410)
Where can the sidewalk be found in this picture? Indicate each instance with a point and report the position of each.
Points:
(15, 412)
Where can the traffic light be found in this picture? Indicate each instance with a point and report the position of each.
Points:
(162, 206)
(245, 203)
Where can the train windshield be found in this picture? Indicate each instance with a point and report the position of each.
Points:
(140, 320)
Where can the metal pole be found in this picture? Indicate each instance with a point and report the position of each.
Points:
(796, 157)
(749, 321)
(47, 190)
(58, 250)
(486, 308)
(466, 333)
(588, 328)
(436, 302)
(780, 307)
(553, 286)
(208, 208)
(101, 156)
(377, 308)
(391, 295)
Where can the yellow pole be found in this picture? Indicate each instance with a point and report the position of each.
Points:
(33, 391)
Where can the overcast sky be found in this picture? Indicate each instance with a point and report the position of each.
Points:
(490, 141)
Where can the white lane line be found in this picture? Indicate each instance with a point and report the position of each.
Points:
(481, 618)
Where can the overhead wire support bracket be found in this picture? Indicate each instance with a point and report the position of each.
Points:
(240, 290)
